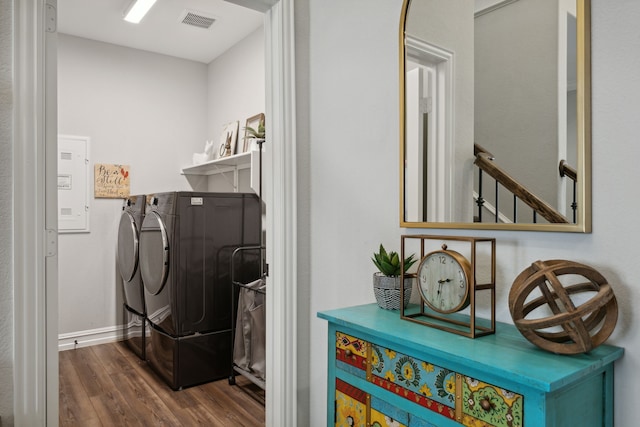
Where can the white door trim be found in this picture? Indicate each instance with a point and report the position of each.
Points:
(441, 147)
(35, 297)
(281, 203)
(35, 215)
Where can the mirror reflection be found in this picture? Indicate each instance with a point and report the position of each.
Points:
(495, 106)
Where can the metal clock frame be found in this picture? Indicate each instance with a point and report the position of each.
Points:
(458, 323)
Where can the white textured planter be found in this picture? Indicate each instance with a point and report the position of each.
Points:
(387, 291)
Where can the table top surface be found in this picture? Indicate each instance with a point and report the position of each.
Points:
(506, 353)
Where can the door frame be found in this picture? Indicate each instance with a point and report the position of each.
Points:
(35, 264)
(35, 214)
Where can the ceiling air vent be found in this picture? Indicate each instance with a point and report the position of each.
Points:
(197, 19)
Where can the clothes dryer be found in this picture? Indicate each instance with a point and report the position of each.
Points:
(186, 243)
(134, 311)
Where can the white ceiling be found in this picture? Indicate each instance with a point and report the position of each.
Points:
(161, 30)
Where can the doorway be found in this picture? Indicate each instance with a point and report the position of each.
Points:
(35, 258)
(147, 111)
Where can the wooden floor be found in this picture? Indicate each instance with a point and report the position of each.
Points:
(107, 385)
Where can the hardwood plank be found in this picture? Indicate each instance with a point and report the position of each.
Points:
(111, 407)
(92, 422)
(108, 385)
(245, 386)
(90, 370)
(182, 404)
(228, 402)
(74, 409)
(176, 401)
(143, 400)
(113, 360)
(113, 410)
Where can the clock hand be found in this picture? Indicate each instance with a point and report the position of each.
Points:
(440, 283)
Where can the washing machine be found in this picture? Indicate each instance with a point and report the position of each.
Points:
(187, 241)
(133, 308)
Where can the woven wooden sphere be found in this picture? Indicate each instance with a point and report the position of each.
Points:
(571, 329)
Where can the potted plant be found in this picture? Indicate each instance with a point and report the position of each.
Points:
(258, 132)
(386, 281)
(254, 136)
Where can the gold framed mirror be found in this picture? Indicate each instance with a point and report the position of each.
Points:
(495, 115)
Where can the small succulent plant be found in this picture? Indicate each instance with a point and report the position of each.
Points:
(389, 263)
(257, 133)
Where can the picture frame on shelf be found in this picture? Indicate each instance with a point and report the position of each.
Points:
(252, 122)
(228, 139)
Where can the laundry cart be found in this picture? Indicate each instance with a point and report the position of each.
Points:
(250, 326)
(248, 302)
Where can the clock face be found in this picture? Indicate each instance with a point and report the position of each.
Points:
(443, 282)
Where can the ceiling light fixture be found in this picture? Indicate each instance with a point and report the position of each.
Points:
(137, 10)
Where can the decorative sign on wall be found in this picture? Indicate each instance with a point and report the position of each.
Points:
(111, 181)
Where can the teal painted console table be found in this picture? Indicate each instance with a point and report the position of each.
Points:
(384, 371)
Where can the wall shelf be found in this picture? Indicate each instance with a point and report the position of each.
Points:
(225, 164)
(249, 160)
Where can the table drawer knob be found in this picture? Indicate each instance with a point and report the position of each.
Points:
(348, 353)
(486, 404)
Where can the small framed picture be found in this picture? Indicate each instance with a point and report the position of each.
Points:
(253, 130)
(228, 139)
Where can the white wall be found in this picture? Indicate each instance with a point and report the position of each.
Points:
(6, 207)
(236, 80)
(516, 97)
(142, 109)
(354, 174)
(236, 91)
(303, 209)
(430, 21)
(353, 145)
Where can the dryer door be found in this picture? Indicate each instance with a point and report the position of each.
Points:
(154, 253)
(127, 246)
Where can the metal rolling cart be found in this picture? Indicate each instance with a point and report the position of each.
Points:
(249, 324)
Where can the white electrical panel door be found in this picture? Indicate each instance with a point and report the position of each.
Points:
(73, 184)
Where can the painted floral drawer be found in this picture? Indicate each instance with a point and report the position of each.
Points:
(485, 405)
(351, 406)
(352, 352)
(382, 414)
(421, 382)
(354, 407)
(431, 386)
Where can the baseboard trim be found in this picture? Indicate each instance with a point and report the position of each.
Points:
(73, 340)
